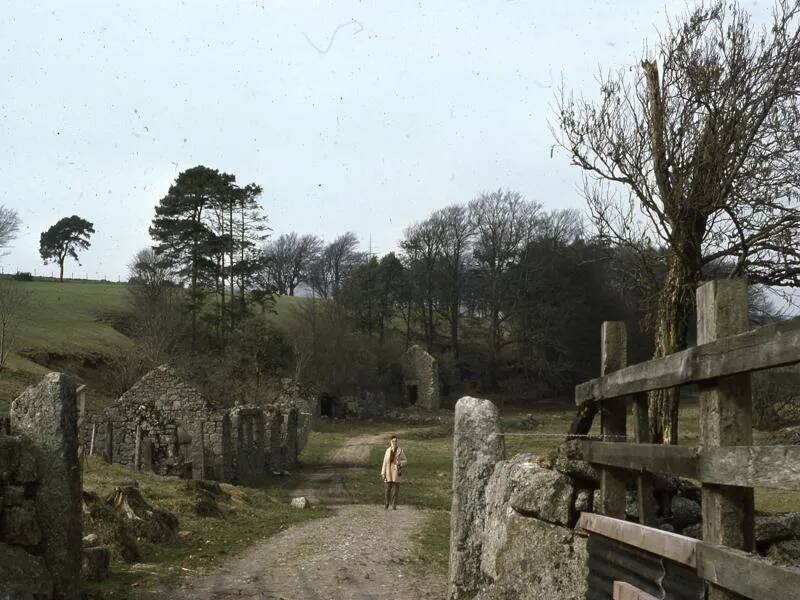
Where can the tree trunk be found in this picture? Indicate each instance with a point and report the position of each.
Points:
(675, 305)
(61, 270)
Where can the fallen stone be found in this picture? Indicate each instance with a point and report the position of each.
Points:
(95, 563)
(184, 535)
(23, 575)
(685, 512)
(90, 540)
(301, 502)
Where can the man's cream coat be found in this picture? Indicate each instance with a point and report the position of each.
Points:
(389, 472)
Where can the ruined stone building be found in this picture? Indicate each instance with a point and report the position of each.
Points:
(420, 379)
(164, 425)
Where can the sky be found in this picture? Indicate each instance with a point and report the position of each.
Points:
(360, 116)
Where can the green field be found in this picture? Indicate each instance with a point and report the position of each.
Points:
(70, 326)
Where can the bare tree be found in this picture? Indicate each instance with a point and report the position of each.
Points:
(288, 260)
(9, 226)
(13, 299)
(504, 223)
(697, 151)
(422, 247)
(457, 232)
(334, 263)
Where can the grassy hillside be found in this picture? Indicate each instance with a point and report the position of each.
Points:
(66, 326)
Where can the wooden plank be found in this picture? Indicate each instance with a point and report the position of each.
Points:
(763, 348)
(675, 547)
(680, 461)
(746, 574)
(625, 591)
(644, 482)
(725, 420)
(776, 467)
(613, 415)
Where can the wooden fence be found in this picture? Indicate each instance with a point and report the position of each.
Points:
(725, 462)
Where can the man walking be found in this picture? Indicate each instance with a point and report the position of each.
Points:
(394, 459)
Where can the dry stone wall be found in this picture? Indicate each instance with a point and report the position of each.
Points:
(40, 492)
(512, 523)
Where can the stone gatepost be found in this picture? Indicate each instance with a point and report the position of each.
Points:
(477, 447)
(275, 426)
(290, 439)
(47, 414)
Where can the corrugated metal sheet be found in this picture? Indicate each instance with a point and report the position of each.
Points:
(610, 560)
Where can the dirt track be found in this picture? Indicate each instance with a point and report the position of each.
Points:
(361, 553)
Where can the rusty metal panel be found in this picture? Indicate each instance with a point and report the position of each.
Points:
(610, 560)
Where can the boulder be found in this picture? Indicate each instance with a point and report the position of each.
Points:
(300, 502)
(477, 447)
(23, 575)
(785, 552)
(95, 563)
(537, 560)
(772, 528)
(685, 512)
(583, 501)
(91, 540)
(580, 470)
(546, 495)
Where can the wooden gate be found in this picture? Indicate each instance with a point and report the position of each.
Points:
(725, 462)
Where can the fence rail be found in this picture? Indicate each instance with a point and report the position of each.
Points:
(763, 348)
(725, 462)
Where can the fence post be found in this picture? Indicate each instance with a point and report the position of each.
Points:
(644, 481)
(613, 356)
(725, 420)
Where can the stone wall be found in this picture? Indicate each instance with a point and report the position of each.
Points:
(40, 491)
(512, 523)
(249, 441)
(420, 379)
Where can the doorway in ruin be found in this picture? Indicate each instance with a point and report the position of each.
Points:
(327, 406)
(183, 441)
(411, 394)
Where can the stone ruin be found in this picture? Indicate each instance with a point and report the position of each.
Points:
(40, 494)
(164, 425)
(420, 379)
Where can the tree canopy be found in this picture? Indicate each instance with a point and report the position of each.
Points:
(65, 239)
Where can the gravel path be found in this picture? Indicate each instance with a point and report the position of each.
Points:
(361, 553)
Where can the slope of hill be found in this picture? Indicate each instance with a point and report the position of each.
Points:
(66, 326)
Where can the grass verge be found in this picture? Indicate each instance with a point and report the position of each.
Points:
(252, 514)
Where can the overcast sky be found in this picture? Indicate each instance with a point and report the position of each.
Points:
(362, 116)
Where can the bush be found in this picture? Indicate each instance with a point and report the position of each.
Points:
(23, 276)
